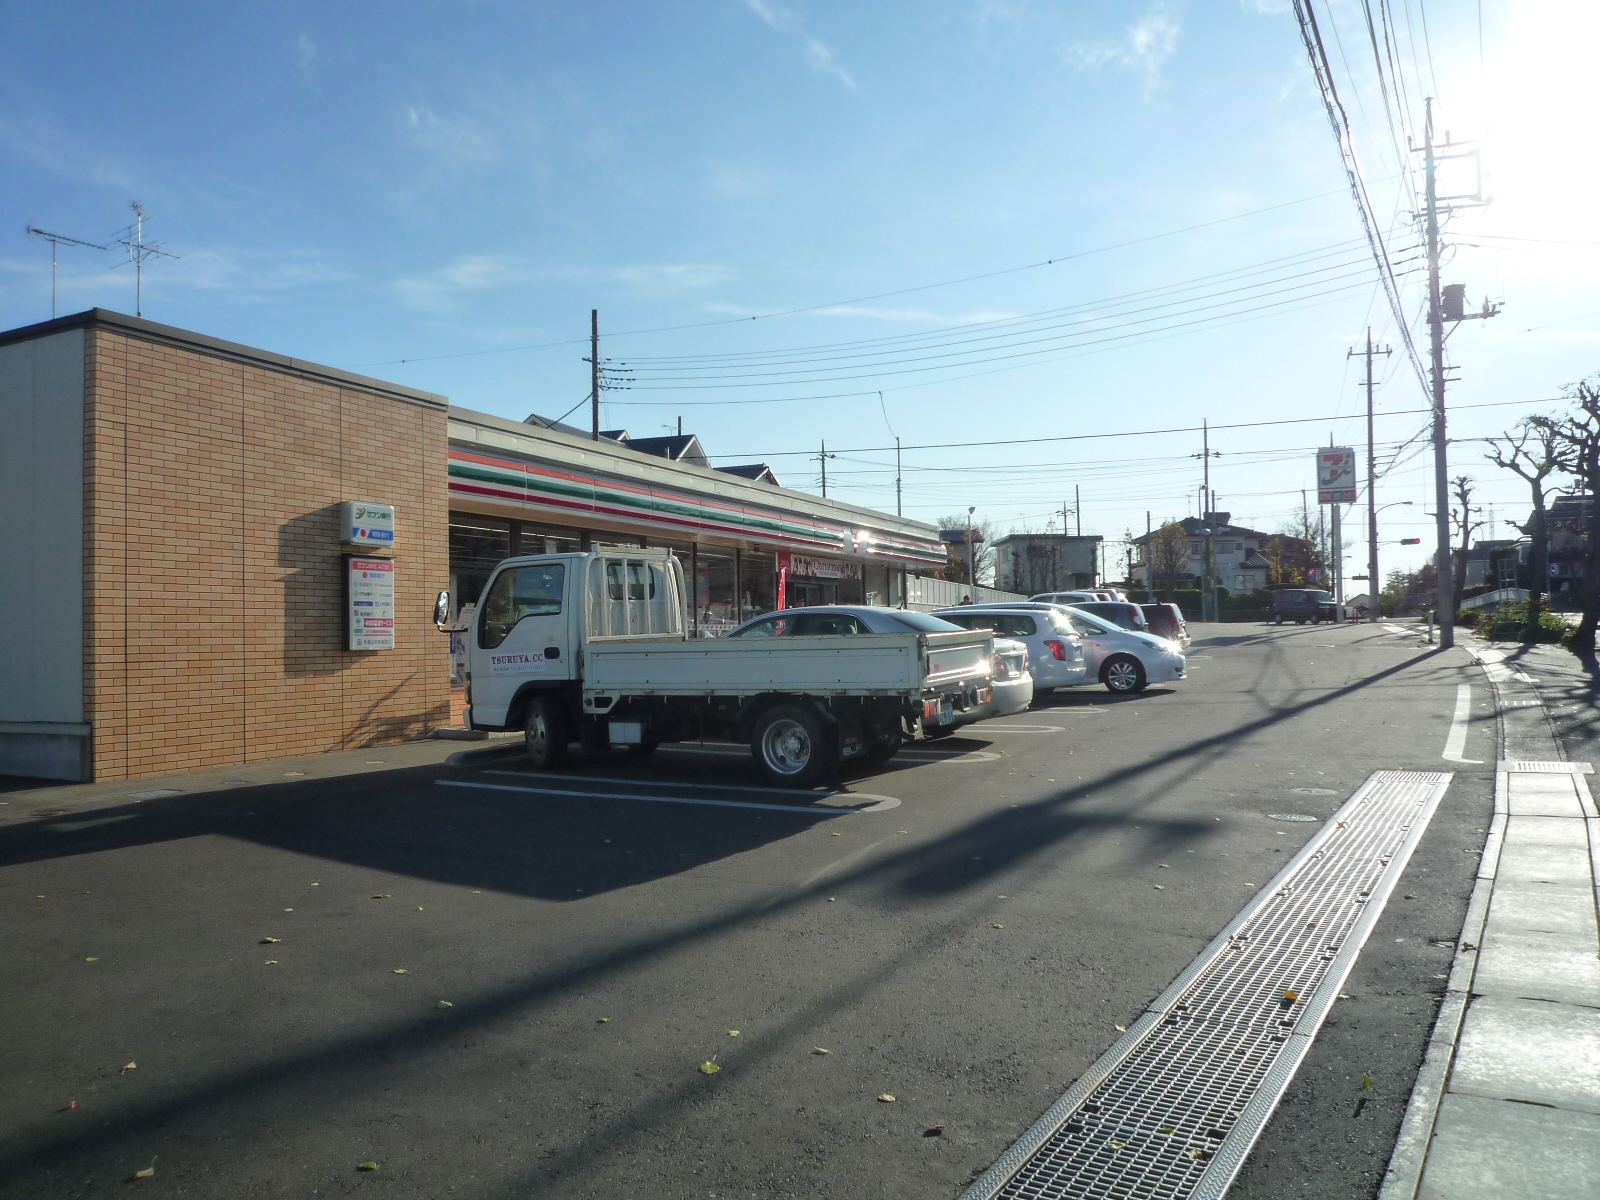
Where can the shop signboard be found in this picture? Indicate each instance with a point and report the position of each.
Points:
(1336, 475)
(822, 568)
(369, 601)
(368, 524)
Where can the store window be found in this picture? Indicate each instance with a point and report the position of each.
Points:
(548, 539)
(714, 593)
(478, 543)
(758, 584)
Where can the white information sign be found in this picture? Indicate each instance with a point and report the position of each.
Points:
(1336, 475)
(368, 524)
(823, 568)
(369, 588)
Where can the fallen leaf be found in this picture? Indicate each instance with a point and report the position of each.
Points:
(288, 910)
(399, 970)
(1002, 897)
(838, 835)
(39, 897)
(886, 1098)
(367, 1166)
(1197, 1154)
(1366, 1083)
(419, 908)
(1116, 1145)
(731, 1032)
(820, 1050)
(1120, 1028)
(1163, 866)
(133, 1066)
(271, 962)
(1160, 888)
(92, 958)
(604, 1021)
(1290, 996)
(270, 941)
(444, 1004)
(317, 884)
(709, 1067)
(1167, 1129)
(71, 1104)
(382, 896)
(998, 925)
(831, 899)
(476, 892)
(147, 1172)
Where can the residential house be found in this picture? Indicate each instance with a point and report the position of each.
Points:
(1029, 563)
(1237, 550)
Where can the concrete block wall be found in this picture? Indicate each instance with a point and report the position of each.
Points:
(213, 570)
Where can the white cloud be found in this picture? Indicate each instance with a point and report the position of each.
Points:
(785, 20)
(1144, 47)
(305, 52)
(443, 289)
(457, 140)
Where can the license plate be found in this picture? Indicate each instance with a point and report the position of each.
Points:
(947, 713)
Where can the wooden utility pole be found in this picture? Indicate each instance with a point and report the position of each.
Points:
(1374, 585)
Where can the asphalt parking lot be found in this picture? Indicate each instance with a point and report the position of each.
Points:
(490, 983)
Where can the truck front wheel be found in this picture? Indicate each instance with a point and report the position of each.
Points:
(793, 746)
(546, 734)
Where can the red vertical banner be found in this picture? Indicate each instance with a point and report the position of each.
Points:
(785, 560)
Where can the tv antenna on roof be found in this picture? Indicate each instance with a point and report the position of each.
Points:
(138, 251)
(57, 240)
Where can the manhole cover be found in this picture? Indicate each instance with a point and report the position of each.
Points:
(1312, 792)
(1290, 817)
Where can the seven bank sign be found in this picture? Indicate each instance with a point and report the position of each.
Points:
(1336, 475)
(368, 524)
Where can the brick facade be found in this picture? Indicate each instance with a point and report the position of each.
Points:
(212, 566)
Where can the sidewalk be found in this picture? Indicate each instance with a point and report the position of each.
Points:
(1508, 1101)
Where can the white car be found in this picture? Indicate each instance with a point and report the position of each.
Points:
(1012, 683)
(1123, 660)
(1063, 598)
(1055, 650)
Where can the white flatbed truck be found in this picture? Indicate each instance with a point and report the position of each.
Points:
(592, 648)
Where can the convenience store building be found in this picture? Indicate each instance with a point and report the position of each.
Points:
(214, 554)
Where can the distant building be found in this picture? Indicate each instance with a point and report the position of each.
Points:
(1029, 563)
(1240, 564)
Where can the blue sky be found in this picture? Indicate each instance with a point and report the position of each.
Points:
(448, 184)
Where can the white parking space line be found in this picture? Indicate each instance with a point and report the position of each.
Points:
(990, 728)
(794, 809)
(1457, 741)
(970, 756)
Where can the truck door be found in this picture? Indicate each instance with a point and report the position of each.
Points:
(522, 634)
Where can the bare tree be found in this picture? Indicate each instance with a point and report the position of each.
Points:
(1169, 556)
(1577, 441)
(1466, 527)
(982, 551)
(1529, 450)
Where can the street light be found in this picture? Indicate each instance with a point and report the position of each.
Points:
(972, 558)
(1373, 577)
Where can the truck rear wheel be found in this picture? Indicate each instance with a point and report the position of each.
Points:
(793, 746)
(546, 734)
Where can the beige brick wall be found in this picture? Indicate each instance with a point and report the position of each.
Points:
(213, 572)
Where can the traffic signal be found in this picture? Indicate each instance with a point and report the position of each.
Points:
(1411, 541)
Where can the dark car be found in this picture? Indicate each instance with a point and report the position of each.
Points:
(1304, 604)
(1124, 615)
(1166, 620)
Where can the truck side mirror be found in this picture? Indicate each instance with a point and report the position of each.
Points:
(441, 612)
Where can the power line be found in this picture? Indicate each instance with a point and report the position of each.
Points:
(790, 312)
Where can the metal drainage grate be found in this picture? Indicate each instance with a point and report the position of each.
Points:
(1174, 1107)
(1551, 768)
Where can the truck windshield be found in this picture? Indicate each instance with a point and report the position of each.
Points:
(517, 593)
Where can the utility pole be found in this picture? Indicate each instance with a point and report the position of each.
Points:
(57, 240)
(1208, 595)
(972, 556)
(897, 509)
(1373, 585)
(1441, 464)
(594, 374)
(823, 458)
(1337, 536)
(1077, 507)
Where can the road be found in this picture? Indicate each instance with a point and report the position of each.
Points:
(494, 984)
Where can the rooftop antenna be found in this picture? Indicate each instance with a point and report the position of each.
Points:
(138, 251)
(57, 240)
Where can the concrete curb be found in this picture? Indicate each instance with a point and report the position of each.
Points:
(503, 747)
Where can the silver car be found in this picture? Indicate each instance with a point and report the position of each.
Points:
(1055, 650)
(1121, 659)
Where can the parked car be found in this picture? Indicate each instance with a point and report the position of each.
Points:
(1063, 598)
(1119, 613)
(1011, 680)
(1166, 620)
(1056, 653)
(1121, 659)
(1304, 604)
